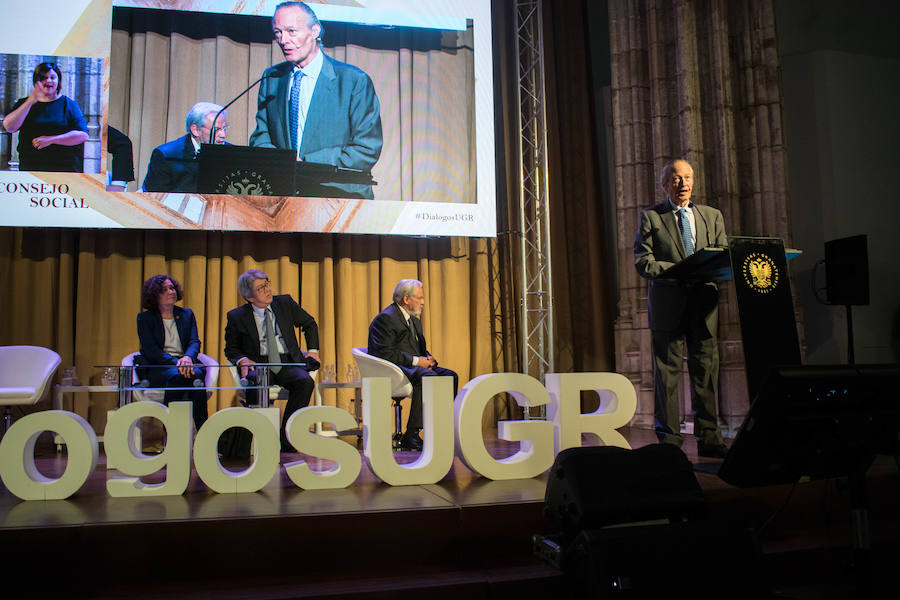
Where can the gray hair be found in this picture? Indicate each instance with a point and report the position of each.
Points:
(311, 18)
(406, 287)
(245, 282)
(667, 171)
(197, 114)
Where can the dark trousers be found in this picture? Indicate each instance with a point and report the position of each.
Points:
(696, 329)
(170, 377)
(297, 381)
(415, 375)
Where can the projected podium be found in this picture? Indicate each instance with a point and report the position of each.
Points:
(758, 266)
(251, 171)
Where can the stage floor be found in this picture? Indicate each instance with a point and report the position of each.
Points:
(461, 534)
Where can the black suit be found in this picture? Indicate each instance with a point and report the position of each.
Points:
(679, 312)
(118, 144)
(390, 338)
(173, 167)
(152, 335)
(242, 340)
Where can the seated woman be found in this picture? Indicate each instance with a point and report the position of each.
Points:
(168, 336)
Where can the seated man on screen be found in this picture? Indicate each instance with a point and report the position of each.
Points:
(324, 109)
(173, 166)
(262, 330)
(396, 335)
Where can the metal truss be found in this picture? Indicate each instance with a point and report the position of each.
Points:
(535, 297)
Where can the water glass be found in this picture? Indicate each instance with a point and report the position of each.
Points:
(68, 376)
(110, 376)
(327, 374)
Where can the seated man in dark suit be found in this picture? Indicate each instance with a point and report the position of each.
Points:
(173, 166)
(396, 335)
(263, 331)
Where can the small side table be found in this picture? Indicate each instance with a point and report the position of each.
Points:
(357, 406)
(60, 389)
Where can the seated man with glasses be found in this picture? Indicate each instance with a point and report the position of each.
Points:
(262, 330)
(173, 166)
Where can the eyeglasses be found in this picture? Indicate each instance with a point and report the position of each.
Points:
(263, 286)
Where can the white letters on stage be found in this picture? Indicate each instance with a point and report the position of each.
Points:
(452, 427)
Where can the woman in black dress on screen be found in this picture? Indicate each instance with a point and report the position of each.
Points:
(168, 336)
(52, 129)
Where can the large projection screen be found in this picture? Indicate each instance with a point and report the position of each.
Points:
(140, 65)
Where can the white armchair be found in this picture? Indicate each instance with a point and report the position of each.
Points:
(276, 392)
(372, 366)
(156, 395)
(148, 430)
(25, 372)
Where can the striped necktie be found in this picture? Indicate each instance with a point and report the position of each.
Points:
(271, 340)
(296, 135)
(412, 328)
(685, 225)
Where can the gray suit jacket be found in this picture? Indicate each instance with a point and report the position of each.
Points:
(658, 246)
(343, 125)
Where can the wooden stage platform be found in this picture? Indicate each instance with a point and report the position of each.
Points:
(464, 536)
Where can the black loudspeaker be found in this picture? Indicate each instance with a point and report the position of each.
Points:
(816, 421)
(631, 528)
(604, 485)
(714, 559)
(847, 271)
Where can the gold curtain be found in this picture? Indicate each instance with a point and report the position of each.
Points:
(696, 79)
(78, 292)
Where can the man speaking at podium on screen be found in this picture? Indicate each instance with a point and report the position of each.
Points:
(324, 109)
(681, 311)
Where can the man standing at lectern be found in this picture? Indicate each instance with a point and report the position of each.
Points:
(396, 335)
(324, 109)
(681, 311)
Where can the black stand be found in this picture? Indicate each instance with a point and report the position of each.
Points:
(850, 356)
(252, 171)
(847, 278)
(245, 171)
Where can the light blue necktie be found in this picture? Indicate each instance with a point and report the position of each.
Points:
(685, 225)
(295, 108)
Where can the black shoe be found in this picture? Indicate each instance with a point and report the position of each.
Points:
(411, 441)
(711, 451)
